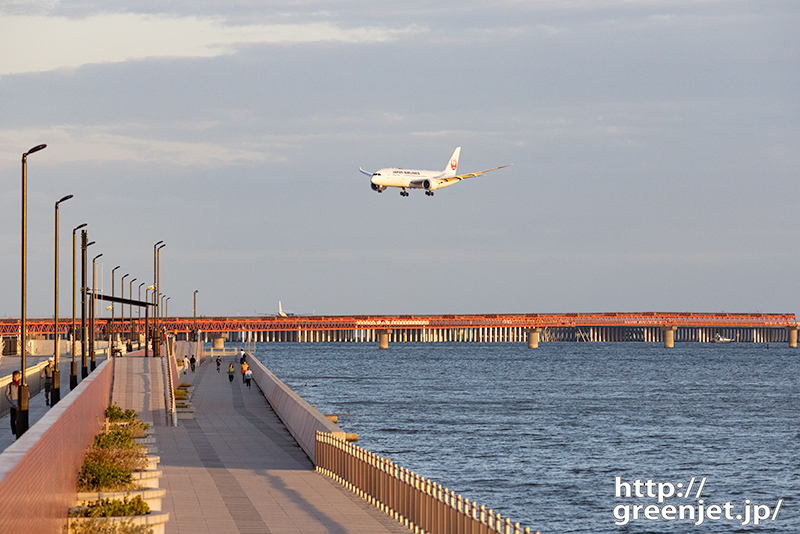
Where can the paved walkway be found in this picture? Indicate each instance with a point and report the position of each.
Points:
(235, 468)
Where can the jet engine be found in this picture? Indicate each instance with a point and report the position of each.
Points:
(430, 184)
(378, 188)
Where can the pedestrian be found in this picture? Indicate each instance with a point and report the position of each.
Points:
(12, 395)
(242, 356)
(185, 365)
(248, 375)
(193, 361)
(219, 361)
(231, 372)
(245, 367)
(47, 375)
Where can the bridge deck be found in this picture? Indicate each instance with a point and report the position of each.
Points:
(235, 468)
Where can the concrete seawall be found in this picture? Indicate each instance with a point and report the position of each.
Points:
(300, 418)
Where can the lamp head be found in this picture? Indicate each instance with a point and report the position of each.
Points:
(37, 148)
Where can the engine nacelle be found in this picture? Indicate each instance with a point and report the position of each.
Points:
(431, 184)
(378, 188)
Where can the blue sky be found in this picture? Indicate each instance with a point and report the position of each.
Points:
(654, 146)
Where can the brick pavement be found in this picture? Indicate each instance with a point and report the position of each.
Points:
(235, 468)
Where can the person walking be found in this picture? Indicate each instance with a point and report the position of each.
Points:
(219, 361)
(245, 367)
(231, 372)
(12, 396)
(248, 375)
(193, 361)
(185, 365)
(47, 375)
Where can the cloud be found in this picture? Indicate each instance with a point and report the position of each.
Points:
(38, 44)
(131, 143)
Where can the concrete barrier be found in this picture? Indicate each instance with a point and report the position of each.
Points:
(298, 416)
(39, 472)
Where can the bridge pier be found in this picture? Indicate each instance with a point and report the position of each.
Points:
(218, 338)
(793, 336)
(533, 337)
(383, 338)
(669, 336)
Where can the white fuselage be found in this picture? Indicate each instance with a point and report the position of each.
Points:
(413, 179)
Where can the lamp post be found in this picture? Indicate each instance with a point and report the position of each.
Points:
(156, 296)
(91, 327)
(147, 332)
(122, 306)
(194, 312)
(22, 407)
(55, 395)
(130, 311)
(73, 371)
(110, 326)
(84, 290)
(166, 307)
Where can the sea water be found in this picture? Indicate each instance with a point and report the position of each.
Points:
(573, 437)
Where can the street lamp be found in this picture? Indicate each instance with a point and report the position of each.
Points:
(122, 306)
(194, 312)
(84, 290)
(130, 311)
(110, 326)
(56, 391)
(73, 372)
(157, 295)
(22, 410)
(91, 327)
(147, 332)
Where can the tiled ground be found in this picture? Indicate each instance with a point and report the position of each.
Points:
(235, 468)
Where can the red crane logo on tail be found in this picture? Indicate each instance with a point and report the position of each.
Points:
(453, 163)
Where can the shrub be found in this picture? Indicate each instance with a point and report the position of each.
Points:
(103, 525)
(180, 393)
(114, 438)
(112, 508)
(129, 459)
(185, 385)
(103, 476)
(115, 414)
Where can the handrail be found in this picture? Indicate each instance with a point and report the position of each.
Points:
(166, 362)
(418, 503)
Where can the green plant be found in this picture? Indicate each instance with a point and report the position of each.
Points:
(181, 405)
(104, 525)
(129, 459)
(185, 385)
(180, 393)
(103, 476)
(115, 414)
(112, 508)
(114, 438)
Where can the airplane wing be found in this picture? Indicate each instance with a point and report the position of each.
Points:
(370, 174)
(470, 175)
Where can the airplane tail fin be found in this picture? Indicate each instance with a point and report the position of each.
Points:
(452, 165)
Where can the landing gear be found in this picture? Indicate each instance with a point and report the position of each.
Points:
(403, 193)
(429, 193)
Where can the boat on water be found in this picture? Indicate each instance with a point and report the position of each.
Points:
(720, 339)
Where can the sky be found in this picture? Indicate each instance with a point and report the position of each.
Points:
(655, 148)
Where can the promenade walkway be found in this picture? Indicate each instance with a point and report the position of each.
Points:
(235, 468)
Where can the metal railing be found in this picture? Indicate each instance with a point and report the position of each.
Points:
(422, 505)
(169, 384)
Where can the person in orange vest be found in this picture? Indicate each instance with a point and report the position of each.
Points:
(245, 367)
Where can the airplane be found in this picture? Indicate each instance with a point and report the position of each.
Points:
(284, 313)
(427, 180)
